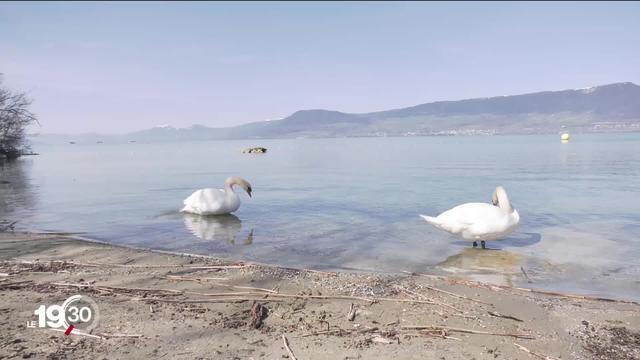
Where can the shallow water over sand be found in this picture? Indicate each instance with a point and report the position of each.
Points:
(354, 203)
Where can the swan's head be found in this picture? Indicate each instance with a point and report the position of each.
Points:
(500, 199)
(235, 180)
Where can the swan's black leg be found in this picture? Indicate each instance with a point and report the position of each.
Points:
(482, 244)
(475, 244)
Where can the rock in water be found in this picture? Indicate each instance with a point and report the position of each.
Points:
(254, 150)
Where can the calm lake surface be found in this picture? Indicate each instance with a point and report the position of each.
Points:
(354, 203)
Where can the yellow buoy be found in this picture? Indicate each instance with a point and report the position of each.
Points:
(564, 137)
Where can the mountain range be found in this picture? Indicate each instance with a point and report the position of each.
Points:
(612, 107)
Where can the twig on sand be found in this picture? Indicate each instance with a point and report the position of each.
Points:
(286, 345)
(541, 356)
(112, 288)
(440, 334)
(346, 297)
(492, 313)
(143, 266)
(327, 332)
(429, 300)
(461, 330)
(337, 297)
(79, 333)
(196, 279)
(455, 295)
(234, 293)
(258, 312)
(171, 277)
(101, 336)
(525, 275)
(105, 335)
(381, 339)
(573, 296)
(15, 284)
(341, 331)
(212, 301)
(352, 313)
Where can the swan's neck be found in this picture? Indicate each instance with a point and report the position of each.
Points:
(503, 201)
(228, 188)
(505, 204)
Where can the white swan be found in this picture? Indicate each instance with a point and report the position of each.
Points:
(479, 221)
(216, 201)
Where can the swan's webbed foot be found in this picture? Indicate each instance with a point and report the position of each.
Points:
(482, 244)
(475, 244)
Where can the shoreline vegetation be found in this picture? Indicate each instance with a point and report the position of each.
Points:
(15, 117)
(176, 306)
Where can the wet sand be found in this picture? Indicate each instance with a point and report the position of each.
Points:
(155, 305)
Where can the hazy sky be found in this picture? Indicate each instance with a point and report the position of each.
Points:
(117, 67)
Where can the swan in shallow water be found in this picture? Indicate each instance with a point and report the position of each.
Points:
(216, 201)
(479, 221)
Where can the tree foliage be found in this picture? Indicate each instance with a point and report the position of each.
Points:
(15, 116)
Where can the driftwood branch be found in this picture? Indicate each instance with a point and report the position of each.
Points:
(79, 333)
(538, 355)
(492, 313)
(152, 266)
(525, 275)
(15, 284)
(286, 345)
(340, 331)
(455, 295)
(197, 279)
(108, 336)
(352, 313)
(429, 300)
(468, 331)
(210, 301)
(573, 296)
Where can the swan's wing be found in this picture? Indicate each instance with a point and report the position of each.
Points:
(477, 218)
(204, 201)
(447, 223)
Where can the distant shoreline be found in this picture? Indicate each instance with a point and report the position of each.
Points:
(123, 139)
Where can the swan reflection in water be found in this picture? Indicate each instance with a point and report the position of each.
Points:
(494, 266)
(221, 227)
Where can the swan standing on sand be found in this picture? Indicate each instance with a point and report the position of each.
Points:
(216, 201)
(479, 221)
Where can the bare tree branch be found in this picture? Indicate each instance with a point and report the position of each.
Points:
(15, 116)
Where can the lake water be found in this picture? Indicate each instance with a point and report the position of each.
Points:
(354, 203)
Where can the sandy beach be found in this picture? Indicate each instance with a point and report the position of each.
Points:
(155, 305)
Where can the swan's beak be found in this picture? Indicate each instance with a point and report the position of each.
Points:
(249, 192)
